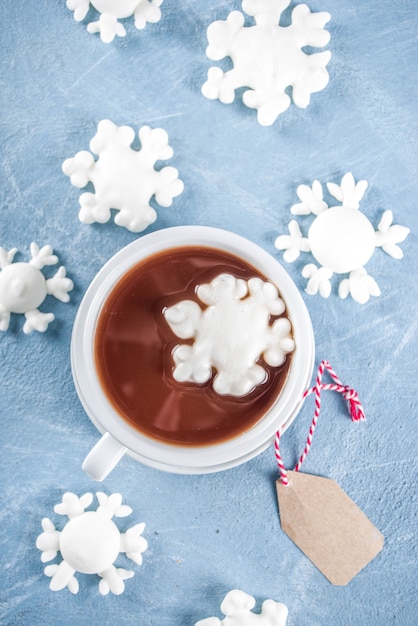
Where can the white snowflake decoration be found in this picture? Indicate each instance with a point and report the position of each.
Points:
(230, 334)
(268, 58)
(90, 543)
(23, 287)
(123, 178)
(341, 239)
(237, 607)
(111, 11)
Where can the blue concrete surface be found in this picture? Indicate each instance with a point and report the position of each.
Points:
(209, 534)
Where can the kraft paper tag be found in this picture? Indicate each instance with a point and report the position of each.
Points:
(327, 526)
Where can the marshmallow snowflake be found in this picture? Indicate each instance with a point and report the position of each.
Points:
(268, 58)
(90, 543)
(123, 178)
(112, 11)
(237, 605)
(23, 287)
(230, 334)
(341, 239)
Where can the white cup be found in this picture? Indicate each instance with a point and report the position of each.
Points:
(118, 436)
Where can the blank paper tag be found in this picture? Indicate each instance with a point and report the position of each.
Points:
(327, 526)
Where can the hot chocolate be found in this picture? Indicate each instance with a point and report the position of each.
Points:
(133, 352)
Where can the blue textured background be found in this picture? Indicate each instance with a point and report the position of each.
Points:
(209, 534)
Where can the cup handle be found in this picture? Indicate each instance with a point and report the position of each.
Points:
(103, 457)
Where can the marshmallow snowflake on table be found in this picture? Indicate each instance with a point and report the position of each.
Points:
(111, 11)
(237, 607)
(230, 334)
(90, 543)
(123, 178)
(23, 287)
(268, 58)
(341, 239)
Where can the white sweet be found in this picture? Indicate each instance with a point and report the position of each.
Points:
(23, 287)
(341, 239)
(237, 606)
(90, 543)
(268, 58)
(123, 178)
(111, 11)
(230, 334)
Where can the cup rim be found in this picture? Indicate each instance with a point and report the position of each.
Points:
(172, 457)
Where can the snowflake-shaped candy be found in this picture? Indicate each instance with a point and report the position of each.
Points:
(90, 543)
(237, 607)
(230, 334)
(268, 58)
(341, 239)
(111, 11)
(23, 287)
(124, 179)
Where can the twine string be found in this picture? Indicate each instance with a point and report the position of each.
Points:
(350, 395)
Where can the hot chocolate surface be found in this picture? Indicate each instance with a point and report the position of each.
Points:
(134, 346)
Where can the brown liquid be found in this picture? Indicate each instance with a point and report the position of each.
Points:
(133, 346)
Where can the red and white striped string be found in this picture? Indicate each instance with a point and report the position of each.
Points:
(349, 394)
